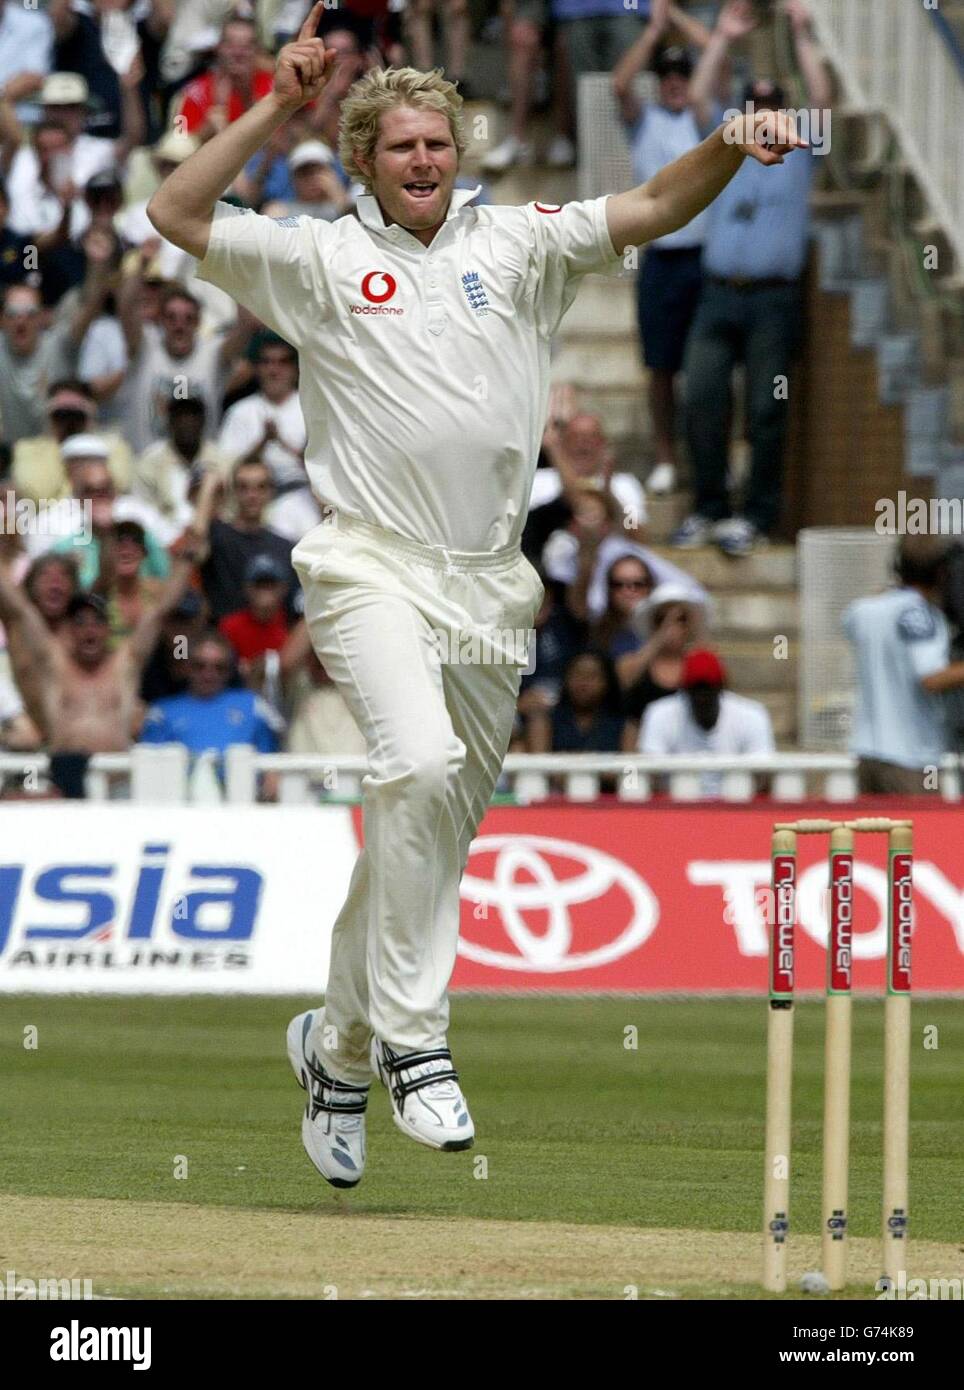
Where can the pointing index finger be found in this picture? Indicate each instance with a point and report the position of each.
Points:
(310, 26)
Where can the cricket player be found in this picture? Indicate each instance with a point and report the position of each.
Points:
(423, 327)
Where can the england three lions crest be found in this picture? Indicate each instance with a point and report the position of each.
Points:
(475, 293)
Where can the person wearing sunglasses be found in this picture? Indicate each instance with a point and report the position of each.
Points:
(93, 508)
(32, 355)
(628, 583)
(209, 716)
(650, 661)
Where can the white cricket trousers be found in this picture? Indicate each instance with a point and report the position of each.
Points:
(386, 617)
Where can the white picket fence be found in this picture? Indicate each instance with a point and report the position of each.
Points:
(166, 776)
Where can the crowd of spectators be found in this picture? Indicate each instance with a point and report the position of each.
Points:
(156, 431)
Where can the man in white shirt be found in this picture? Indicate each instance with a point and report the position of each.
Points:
(704, 717)
(171, 358)
(33, 357)
(270, 425)
(168, 472)
(902, 652)
(35, 202)
(423, 328)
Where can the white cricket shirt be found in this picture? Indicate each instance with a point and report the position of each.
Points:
(243, 426)
(424, 370)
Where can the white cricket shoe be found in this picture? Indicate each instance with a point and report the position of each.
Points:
(512, 151)
(333, 1126)
(427, 1102)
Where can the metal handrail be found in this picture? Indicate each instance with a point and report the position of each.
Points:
(902, 61)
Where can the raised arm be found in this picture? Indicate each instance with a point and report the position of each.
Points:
(736, 20)
(11, 134)
(636, 58)
(143, 639)
(238, 335)
(106, 568)
(572, 484)
(99, 248)
(183, 206)
(250, 187)
(692, 29)
(816, 76)
(684, 188)
(129, 298)
(132, 122)
(15, 606)
(199, 532)
(29, 636)
(62, 17)
(46, 242)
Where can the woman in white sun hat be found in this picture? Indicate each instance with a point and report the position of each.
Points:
(667, 624)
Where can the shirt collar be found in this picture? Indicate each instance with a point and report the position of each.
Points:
(370, 214)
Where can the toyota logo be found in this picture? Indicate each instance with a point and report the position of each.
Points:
(533, 874)
(375, 296)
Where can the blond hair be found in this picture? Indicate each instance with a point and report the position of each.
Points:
(381, 90)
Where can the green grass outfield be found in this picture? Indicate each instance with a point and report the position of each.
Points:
(576, 1128)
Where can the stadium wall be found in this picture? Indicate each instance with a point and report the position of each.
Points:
(663, 899)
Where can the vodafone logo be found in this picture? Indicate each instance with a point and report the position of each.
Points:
(375, 293)
(535, 905)
(378, 287)
(547, 207)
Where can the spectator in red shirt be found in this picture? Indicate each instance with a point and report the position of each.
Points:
(233, 84)
(261, 626)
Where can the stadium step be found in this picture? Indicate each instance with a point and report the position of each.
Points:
(625, 416)
(603, 361)
(765, 612)
(755, 665)
(604, 306)
(773, 567)
(664, 515)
